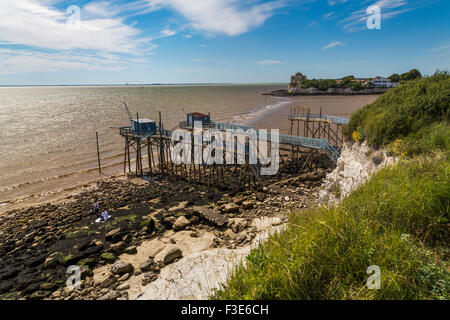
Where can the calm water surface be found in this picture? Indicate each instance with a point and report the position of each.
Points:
(47, 134)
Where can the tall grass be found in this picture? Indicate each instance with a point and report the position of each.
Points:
(389, 222)
(428, 139)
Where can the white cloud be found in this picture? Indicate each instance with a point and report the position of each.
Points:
(268, 62)
(312, 24)
(26, 61)
(103, 40)
(31, 23)
(48, 43)
(168, 33)
(100, 9)
(442, 50)
(334, 44)
(328, 15)
(334, 2)
(229, 17)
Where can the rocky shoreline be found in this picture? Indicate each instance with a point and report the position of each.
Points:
(154, 224)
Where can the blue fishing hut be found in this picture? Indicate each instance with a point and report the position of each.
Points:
(197, 116)
(143, 126)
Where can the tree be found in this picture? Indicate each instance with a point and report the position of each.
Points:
(356, 86)
(346, 82)
(395, 77)
(411, 75)
(370, 85)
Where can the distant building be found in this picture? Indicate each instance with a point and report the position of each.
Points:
(380, 82)
(296, 82)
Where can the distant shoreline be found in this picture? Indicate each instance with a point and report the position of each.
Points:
(285, 93)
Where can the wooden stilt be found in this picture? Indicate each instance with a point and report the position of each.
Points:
(98, 154)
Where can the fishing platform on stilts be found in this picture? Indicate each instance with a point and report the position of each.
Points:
(320, 146)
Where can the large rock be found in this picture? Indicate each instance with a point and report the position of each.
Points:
(260, 196)
(39, 295)
(117, 248)
(147, 265)
(149, 225)
(48, 286)
(111, 295)
(247, 205)
(33, 287)
(148, 278)
(89, 262)
(109, 257)
(113, 235)
(229, 234)
(210, 215)
(35, 261)
(9, 273)
(169, 254)
(181, 223)
(172, 255)
(123, 287)
(85, 272)
(93, 250)
(120, 267)
(104, 278)
(71, 259)
(51, 262)
(169, 221)
(230, 208)
(131, 250)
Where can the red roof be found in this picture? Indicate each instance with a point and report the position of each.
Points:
(200, 115)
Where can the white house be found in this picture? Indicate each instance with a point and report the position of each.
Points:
(380, 82)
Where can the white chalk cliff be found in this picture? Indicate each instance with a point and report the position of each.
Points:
(357, 163)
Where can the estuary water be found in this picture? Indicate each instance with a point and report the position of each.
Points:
(47, 134)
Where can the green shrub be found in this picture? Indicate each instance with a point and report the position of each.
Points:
(404, 110)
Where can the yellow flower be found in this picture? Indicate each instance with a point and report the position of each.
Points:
(356, 136)
(399, 148)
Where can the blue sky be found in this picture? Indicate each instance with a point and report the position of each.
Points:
(239, 41)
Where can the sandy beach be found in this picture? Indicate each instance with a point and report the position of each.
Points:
(342, 106)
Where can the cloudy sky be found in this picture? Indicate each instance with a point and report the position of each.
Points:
(240, 41)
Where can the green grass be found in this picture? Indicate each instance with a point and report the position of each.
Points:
(404, 110)
(428, 139)
(398, 220)
(393, 222)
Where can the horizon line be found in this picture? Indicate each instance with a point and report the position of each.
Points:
(140, 84)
